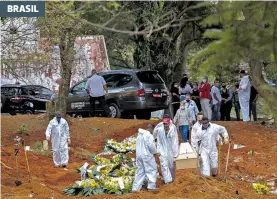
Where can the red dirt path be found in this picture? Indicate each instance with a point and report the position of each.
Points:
(48, 182)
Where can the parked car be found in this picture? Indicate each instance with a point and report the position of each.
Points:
(25, 99)
(131, 92)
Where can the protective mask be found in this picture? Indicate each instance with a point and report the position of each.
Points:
(182, 107)
(176, 85)
(195, 87)
(205, 126)
(187, 100)
(58, 119)
(204, 80)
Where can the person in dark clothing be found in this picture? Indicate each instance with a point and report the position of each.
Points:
(174, 90)
(196, 96)
(226, 104)
(236, 101)
(252, 106)
(184, 87)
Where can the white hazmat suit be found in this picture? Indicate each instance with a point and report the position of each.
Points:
(158, 126)
(59, 133)
(145, 161)
(244, 97)
(208, 150)
(194, 132)
(168, 148)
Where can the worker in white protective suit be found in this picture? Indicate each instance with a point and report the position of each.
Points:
(195, 129)
(161, 124)
(145, 160)
(58, 130)
(167, 148)
(207, 137)
(244, 95)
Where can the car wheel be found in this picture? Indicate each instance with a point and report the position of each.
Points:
(143, 115)
(114, 111)
(28, 112)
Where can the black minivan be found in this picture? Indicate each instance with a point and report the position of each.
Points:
(131, 92)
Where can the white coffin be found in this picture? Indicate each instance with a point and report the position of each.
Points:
(187, 157)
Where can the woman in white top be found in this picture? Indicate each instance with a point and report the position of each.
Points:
(184, 87)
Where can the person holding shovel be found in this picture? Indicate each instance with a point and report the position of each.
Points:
(58, 130)
(167, 148)
(207, 135)
(194, 131)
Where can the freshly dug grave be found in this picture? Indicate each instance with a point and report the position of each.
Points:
(88, 136)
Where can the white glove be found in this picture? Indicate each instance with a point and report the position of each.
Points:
(226, 141)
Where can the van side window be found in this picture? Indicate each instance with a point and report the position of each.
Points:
(124, 79)
(117, 80)
(79, 88)
(111, 80)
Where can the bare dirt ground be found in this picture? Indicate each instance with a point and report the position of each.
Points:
(48, 182)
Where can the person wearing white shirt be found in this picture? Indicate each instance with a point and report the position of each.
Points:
(216, 101)
(97, 89)
(206, 139)
(244, 91)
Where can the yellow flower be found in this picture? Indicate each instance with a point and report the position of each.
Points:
(261, 189)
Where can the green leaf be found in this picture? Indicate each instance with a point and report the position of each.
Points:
(98, 191)
(118, 193)
(95, 129)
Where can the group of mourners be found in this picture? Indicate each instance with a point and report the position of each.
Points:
(216, 101)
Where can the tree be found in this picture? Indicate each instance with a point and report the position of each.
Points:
(249, 35)
(59, 29)
(165, 50)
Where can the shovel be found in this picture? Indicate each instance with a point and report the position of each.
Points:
(17, 182)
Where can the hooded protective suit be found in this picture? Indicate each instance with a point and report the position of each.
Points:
(208, 150)
(194, 132)
(59, 133)
(244, 97)
(157, 127)
(168, 148)
(145, 161)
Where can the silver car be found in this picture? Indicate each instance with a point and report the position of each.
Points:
(131, 92)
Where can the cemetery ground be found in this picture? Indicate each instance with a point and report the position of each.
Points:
(255, 163)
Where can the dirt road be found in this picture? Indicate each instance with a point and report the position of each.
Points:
(48, 182)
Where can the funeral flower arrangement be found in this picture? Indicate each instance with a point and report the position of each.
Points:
(128, 145)
(109, 175)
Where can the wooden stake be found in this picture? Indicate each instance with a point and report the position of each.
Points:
(27, 165)
(227, 162)
(219, 162)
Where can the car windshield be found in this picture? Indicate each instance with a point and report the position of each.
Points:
(149, 77)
